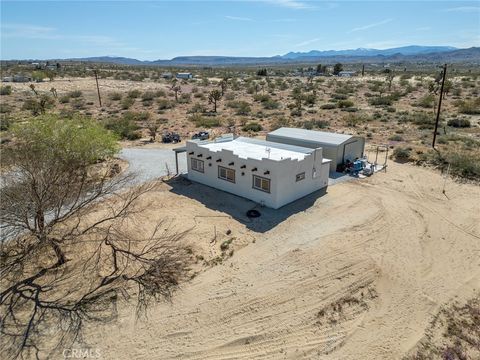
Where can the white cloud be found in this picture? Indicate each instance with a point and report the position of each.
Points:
(237, 18)
(369, 26)
(307, 42)
(30, 31)
(291, 4)
(463, 9)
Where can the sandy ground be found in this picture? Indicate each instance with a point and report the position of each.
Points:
(355, 274)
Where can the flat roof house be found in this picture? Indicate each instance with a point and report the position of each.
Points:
(269, 173)
(338, 147)
(347, 73)
(184, 75)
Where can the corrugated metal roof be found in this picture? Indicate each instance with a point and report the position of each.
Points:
(320, 137)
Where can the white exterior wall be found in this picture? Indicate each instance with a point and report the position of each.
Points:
(283, 187)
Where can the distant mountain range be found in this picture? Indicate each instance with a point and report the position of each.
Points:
(413, 53)
(405, 50)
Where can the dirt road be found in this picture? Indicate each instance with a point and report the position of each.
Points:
(356, 276)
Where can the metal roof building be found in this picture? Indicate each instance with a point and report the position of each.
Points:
(337, 147)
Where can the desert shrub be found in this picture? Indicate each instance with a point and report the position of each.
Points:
(164, 104)
(471, 107)
(115, 96)
(242, 107)
(75, 94)
(204, 121)
(381, 101)
(184, 98)
(124, 128)
(328, 106)
(423, 120)
(311, 124)
(426, 101)
(5, 122)
(459, 123)
(253, 126)
(354, 120)
(395, 138)
(197, 108)
(161, 93)
(401, 153)
(342, 104)
(148, 96)
(262, 98)
(296, 112)
(280, 122)
(339, 97)
(270, 104)
(5, 90)
(65, 99)
(137, 116)
(462, 163)
(40, 105)
(127, 103)
(133, 94)
(5, 108)
(309, 99)
(77, 103)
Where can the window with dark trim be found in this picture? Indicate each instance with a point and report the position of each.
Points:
(300, 177)
(197, 165)
(226, 174)
(261, 183)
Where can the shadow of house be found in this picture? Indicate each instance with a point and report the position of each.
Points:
(236, 207)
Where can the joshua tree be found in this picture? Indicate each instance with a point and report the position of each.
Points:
(389, 79)
(152, 130)
(223, 85)
(54, 92)
(176, 89)
(32, 86)
(213, 97)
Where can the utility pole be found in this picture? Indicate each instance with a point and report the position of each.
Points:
(363, 69)
(439, 105)
(98, 89)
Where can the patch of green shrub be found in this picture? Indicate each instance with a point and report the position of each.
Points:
(205, 121)
(75, 94)
(6, 90)
(328, 106)
(253, 126)
(402, 153)
(459, 123)
(115, 96)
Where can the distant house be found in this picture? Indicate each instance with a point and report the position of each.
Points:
(167, 75)
(21, 78)
(347, 73)
(184, 75)
(7, 79)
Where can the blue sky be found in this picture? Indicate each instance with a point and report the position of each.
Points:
(165, 29)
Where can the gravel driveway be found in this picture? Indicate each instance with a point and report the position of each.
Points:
(149, 164)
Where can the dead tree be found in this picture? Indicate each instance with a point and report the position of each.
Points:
(70, 250)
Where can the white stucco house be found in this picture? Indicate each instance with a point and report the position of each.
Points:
(337, 147)
(269, 173)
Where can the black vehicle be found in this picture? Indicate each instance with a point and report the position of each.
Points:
(202, 135)
(171, 138)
